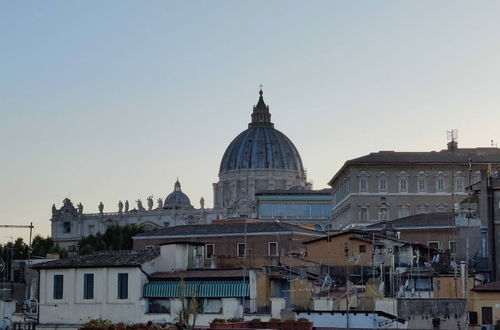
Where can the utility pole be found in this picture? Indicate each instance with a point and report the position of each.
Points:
(30, 226)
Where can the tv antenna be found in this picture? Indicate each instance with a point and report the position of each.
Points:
(452, 135)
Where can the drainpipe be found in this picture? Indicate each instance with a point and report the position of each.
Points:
(38, 299)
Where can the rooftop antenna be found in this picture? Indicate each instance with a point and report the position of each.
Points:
(452, 137)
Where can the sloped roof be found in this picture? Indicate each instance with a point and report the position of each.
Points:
(459, 155)
(227, 229)
(437, 219)
(129, 258)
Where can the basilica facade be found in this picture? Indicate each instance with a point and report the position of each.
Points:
(261, 158)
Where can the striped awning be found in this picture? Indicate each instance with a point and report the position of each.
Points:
(202, 289)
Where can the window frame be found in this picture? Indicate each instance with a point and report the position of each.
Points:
(122, 286)
(238, 250)
(363, 184)
(88, 286)
(403, 188)
(434, 242)
(58, 289)
(269, 249)
(440, 187)
(382, 188)
(206, 251)
(66, 226)
(365, 213)
(452, 246)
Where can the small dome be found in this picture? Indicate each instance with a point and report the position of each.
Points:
(177, 199)
(261, 146)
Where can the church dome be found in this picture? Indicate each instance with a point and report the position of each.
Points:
(261, 146)
(177, 199)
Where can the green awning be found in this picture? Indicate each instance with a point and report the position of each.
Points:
(202, 289)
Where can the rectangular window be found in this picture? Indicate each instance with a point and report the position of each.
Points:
(58, 286)
(421, 185)
(210, 250)
(363, 214)
(66, 227)
(382, 214)
(440, 184)
(272, 249)
(459, 184)
(122, 285)
(472, 317)
(91, 229)
(487, 315)
(363, 184)
(159, 306)
(453, 247)
(382, 186)
(240, 250)
(212, 305)
(433, 245)
(88, 286)
(362, 249)
(403, 185)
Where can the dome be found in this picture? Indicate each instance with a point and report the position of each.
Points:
(261, 146)
(177, 199)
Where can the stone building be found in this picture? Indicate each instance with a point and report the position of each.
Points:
(259, 158)
(388, 185)
(70, 224)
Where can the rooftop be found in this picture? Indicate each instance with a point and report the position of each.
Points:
(229, 228)
(129, 258)
(458, 155)
(437, 219)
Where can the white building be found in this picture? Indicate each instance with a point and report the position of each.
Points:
(139, 286)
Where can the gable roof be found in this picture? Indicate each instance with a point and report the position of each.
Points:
(227, 229)
(458, 156)
(128, 258)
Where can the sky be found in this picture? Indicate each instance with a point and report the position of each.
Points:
(113, 100)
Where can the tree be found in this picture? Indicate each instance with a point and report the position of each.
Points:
(115, 238)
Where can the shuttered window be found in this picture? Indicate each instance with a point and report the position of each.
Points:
(88, 286)
(58, 286)
(122, 285)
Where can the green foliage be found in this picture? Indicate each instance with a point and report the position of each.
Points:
(115, 238)
(20, 250)
(187, 314)
(97, 324)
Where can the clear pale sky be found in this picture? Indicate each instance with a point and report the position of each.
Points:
(110, 100)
